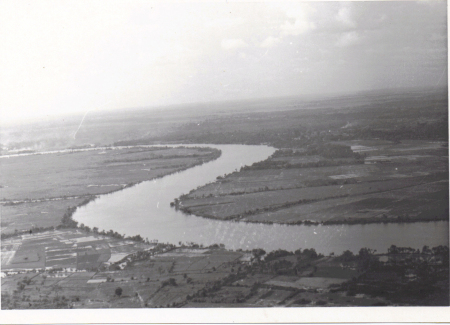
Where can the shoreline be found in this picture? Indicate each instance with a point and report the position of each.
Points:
(216, 154)
(373, 220)
(128, 185)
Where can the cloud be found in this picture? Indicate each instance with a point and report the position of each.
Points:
(51, 54)
(232, 44)
(344, 16)
(297, 17)
(270, 41)
(347, 39)
(300, 26)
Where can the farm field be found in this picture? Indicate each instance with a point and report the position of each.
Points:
(50, 183)
(369, 160)
(67, 249)
(410, 183)
(232, 154)
(77, 269)
(57, 264)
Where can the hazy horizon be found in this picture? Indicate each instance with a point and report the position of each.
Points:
(78, 115)
(64, 58)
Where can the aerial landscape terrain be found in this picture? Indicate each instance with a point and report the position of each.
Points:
(340, 173)
(224, 155)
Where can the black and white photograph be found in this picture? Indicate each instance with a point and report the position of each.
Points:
(237, 156)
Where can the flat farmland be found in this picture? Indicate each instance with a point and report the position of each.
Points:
(167, 276)
(416, 202)
(394, 182)
(147, 283)
(37, 189)
(226, 207)
(61, 249)
(194, 261)
(27, 215)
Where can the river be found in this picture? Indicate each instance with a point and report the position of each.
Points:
(145, 209)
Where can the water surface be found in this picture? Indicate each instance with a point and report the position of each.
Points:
(145, 210)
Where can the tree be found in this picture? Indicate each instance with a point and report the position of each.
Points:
(365, 253)
(258, 253)
(347, 256)
(366, 258)
(118, 291)
(310, 253)
(393, 250)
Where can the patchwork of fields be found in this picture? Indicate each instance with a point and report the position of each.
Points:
(369, 158)
(50, 183)
(67, 249)
(73, 269)
(410, 183)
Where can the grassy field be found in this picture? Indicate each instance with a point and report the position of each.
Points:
(36, 190)
(53, 265)
(78, 269)
(332, 149)
(409, 184)
(371, 157)
(73, 249)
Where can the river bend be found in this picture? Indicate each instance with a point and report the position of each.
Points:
(145, 209)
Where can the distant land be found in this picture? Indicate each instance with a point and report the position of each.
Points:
(369, 158)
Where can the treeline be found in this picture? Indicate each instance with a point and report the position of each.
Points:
(67, 222)
(307, 253)
(418, 131)
(273, 164)
(298, 263)
(212, 154)
(409, 277)
(137, 142)
(280, 262)
(386, 219)
(334, 154)
(327, 150)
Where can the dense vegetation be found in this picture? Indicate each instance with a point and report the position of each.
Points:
(408, 277)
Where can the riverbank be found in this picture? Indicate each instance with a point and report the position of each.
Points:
(344, 221)
(103, 271)
(145, 210)
(296, 188)
(54, 182)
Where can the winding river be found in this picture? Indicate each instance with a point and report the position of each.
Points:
(145, 210)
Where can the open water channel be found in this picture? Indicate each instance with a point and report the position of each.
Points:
(145, 210)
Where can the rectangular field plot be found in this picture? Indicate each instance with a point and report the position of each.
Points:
(271, 297)
(72, 283)
(27, 257)
(167, 296)
(335, 272)
(318, 282)
(87, 261)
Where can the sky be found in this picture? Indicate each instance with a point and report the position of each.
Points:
(60, 57)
